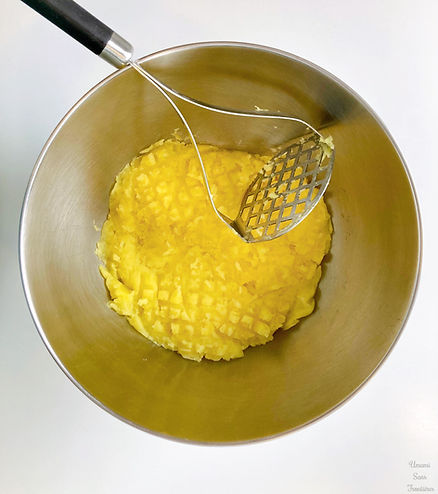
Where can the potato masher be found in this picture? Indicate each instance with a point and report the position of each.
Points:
(287, 188)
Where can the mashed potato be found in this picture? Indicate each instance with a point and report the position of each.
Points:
(186, 281)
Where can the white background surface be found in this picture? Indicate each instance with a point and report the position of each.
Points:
(55, 440)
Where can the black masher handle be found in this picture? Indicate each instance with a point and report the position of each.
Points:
(85, 28)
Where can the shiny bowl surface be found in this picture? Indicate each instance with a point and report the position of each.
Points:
(369, 277)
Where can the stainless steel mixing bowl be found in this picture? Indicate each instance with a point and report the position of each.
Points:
(368, 282)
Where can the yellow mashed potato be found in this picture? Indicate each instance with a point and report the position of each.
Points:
(186, 281)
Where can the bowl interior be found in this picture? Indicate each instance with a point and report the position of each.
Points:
(368, 278)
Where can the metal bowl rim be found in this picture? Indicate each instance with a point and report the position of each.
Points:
(40, 159)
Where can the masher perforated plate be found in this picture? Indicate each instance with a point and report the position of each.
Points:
(285, 191)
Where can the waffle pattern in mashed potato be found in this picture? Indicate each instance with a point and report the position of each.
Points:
(186, 281)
